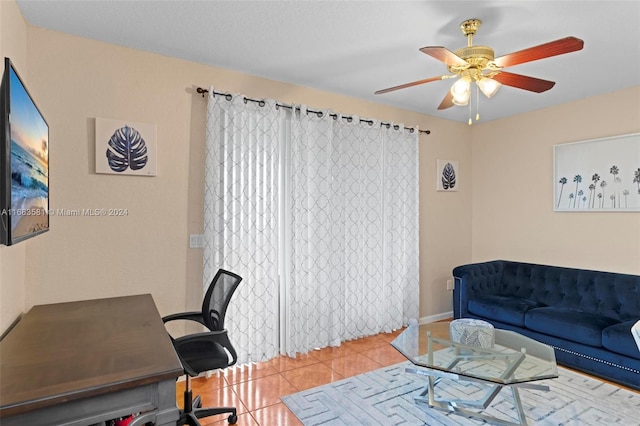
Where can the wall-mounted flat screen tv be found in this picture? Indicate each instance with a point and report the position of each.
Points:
(24, 162)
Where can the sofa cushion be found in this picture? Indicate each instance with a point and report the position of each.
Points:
(618, 338)
(578, 326)
(506, 309)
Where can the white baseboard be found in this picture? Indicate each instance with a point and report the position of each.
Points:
(437, 317)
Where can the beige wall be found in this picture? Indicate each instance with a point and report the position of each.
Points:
(445, 218)
(13, 44)
(513, 215)
(77, 79)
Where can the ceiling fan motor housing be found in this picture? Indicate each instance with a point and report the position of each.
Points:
(478, 58)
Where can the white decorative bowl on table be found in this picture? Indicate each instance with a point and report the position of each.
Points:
(472, 332)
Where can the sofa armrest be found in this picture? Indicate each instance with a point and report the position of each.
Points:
(473, 280)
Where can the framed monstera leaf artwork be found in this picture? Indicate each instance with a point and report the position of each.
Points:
(125, 147)
(447, 178)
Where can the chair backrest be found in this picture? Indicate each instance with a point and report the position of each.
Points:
(214, 305)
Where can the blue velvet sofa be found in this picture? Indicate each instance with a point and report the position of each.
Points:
(585, 315)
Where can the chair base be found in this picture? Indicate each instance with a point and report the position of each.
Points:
(193, 410)
(191, 418)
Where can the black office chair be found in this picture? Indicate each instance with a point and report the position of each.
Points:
(208, 350)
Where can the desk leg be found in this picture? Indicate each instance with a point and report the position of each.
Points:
(167, 412)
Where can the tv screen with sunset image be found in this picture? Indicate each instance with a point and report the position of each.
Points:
(26, 158)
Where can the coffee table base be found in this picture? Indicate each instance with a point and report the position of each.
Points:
(462, 407)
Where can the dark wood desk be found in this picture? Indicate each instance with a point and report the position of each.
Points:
(83, 363)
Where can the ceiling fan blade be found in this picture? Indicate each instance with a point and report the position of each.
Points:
(447, 102)
(413, 83)
(547, 50)
(444, 55)
(531, 84)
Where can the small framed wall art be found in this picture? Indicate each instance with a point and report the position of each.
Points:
(447, 178)
(125, 147)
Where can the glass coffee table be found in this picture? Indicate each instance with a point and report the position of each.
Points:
(514, 361)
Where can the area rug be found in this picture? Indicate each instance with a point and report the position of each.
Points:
(386, 397)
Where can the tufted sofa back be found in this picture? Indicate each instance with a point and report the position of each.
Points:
(606, 294)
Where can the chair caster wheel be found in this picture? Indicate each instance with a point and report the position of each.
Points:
(233, 419)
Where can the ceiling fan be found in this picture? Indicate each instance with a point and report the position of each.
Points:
(478, 64)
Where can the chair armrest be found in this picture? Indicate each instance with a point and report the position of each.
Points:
(186, 316)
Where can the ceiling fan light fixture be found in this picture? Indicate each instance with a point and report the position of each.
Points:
(488, 86)
(461, 91)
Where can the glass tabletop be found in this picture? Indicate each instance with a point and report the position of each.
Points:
(514, 358)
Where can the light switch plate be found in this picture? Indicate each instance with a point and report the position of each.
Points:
(196, 241)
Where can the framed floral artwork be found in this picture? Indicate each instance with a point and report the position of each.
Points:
(597, 175)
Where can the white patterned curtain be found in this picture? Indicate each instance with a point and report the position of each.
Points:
(241, 226)
(354, 230)
(319, 216)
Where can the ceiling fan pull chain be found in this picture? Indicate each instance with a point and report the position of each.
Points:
(477, 103)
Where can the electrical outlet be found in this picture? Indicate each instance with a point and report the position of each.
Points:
(449, 284)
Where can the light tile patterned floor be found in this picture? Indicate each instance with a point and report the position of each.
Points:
(255, 390)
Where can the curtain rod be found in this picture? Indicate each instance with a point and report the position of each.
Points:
(228, 97)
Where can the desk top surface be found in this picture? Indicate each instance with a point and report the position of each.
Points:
(68, 351)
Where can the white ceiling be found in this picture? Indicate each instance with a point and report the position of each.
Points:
(358, 47)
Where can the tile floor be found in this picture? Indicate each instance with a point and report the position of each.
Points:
(255, 390)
